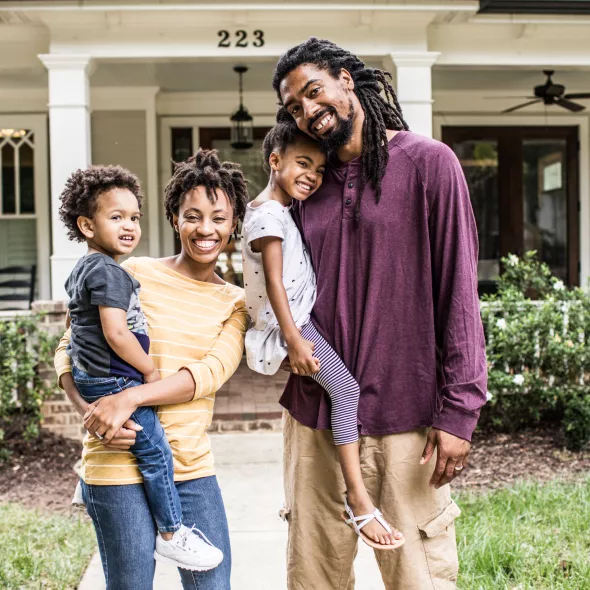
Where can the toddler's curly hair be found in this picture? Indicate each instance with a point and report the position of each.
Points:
(205, 169)
(83, 189)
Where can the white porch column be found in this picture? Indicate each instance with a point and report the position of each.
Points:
(69, 149)
(414, 88)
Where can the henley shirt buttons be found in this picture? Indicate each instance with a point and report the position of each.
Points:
(348, 201)
(351, 185)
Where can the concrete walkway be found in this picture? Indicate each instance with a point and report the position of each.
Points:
(249, 472)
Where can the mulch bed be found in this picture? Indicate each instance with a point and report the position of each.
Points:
(497, 460)
(40, 473)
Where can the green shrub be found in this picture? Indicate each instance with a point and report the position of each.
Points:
(538, 351)
(24, 348)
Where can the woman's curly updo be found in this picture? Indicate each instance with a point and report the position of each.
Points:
(83, 188)
(205, 169)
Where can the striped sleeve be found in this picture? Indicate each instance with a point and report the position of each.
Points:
(220, 363)
(61, 361)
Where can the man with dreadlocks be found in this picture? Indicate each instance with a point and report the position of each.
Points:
(393, 242)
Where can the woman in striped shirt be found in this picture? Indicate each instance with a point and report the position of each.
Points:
(196, 324)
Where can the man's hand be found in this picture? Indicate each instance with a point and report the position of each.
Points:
(452, 453)
(125, 438)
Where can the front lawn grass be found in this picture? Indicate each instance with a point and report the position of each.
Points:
(526, 537)
(41, 550)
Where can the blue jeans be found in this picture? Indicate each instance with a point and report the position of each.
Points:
(126, 533)
(151, 449)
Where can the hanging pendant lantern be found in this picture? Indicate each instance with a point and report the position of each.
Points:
(242, 131)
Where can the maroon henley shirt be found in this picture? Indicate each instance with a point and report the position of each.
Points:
(397, 293)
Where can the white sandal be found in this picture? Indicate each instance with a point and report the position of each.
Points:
(358, 522)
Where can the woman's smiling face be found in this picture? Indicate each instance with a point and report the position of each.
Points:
(204, 227)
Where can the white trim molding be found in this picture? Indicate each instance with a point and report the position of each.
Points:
(69, 146)
(414, 88)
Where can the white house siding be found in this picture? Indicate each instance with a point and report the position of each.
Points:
(18, 242)
(119, 137)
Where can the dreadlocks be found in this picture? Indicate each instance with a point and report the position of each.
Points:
(380, 113)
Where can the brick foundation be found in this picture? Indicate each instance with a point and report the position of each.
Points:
(247, 401)
(59, 415)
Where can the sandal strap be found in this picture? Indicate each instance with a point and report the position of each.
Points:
(358, 522)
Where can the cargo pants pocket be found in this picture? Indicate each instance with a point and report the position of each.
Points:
(440, 547)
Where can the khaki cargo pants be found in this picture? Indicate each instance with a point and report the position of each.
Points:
(321, 547)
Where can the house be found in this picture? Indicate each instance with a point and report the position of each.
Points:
(142, 83)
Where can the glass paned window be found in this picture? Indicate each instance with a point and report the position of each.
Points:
(7, 154)
(545, 201)
(17, 174)
(182, 143)
(479, 159)
(27, 179)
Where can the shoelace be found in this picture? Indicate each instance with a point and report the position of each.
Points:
(193, 529)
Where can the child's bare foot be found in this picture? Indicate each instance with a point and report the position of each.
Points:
(361, 504)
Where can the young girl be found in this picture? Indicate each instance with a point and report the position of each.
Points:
(280, 294)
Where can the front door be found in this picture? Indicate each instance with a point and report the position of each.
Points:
(523, 183)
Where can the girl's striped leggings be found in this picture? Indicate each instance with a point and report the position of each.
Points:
(341, 386)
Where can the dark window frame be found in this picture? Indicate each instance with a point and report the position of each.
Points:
(510, 180)
(534, 7)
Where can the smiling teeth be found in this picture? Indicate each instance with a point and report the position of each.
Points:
(206, 244)
(305, 187)
(127, 238)
(323, 122)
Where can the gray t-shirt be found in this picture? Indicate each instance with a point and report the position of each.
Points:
(97, 280)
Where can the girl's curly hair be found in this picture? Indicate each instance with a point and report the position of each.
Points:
(84, 187)
(283, 134)
(205, 169)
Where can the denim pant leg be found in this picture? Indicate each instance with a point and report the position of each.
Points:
(154, 459)
(202, 505)
(126, 534)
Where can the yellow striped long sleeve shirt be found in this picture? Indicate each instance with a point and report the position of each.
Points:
(191, 324)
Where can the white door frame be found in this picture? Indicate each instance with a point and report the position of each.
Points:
(583, 124)
(196, 122)
(37, 124)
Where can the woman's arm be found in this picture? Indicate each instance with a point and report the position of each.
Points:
(105, 416)
(125, 437)
(300, 350)
(194, 381)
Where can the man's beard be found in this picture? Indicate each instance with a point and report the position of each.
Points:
(341, 134)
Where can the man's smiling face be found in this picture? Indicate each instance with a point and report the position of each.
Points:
(321, 105)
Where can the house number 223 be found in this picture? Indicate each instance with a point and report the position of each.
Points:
(240, 39)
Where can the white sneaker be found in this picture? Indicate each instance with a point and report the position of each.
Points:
(188, 549)
(78, 500)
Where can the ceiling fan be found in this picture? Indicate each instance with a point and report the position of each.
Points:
(552, 93)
